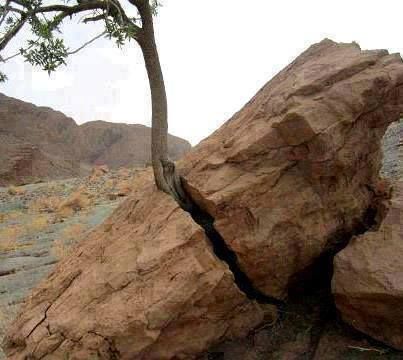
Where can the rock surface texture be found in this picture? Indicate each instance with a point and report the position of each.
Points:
(392, 166)
(368, 279)
(298, 166)
(37, 228)
(145, 285)
(283, 180)
(40, 143)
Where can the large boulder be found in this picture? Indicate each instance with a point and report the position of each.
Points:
(289, 174)
(298, 166)
(145, 285)
(368, 278)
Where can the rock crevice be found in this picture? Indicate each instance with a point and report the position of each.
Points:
(226, 254)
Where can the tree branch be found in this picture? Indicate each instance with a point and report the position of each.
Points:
(110, 8)
(71, 10)
(69, 53)
(14, 31)
(6, 9)
(94, 18)
(87, 43)
(63, 9)
(15, 55)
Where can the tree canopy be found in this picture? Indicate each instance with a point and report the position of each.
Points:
(46, 48)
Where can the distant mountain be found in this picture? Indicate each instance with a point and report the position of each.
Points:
(41, 143)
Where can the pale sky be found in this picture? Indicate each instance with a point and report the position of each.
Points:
(215, 55)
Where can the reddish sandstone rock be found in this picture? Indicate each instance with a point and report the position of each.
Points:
(368, 278)
(145, 285)
(296, 166)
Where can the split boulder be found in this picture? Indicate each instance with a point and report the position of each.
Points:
(289, 173)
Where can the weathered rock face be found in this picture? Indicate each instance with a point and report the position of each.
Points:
(289, 173)
(22, 162)
(117, 145)
(298, 165)
(64, 149)
(153, 292)
(368, 278)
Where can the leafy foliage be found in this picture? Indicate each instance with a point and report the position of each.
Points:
(120, 33)
(42, 28)
(48, 50)
(49, 53)
(10, 23)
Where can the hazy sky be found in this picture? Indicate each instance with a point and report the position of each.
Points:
(215, 55)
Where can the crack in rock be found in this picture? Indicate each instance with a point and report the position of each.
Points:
(226, 254)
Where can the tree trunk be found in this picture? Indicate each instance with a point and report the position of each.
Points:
(165, 174)
(159, 123)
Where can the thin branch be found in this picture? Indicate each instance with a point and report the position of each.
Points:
(64, 12)
(14, 31)
(69, 53)
(9, 58)
(94, 18)
(87, 43)
(70, 10)
(15, 55)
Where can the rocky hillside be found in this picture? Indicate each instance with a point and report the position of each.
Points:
(40, 143)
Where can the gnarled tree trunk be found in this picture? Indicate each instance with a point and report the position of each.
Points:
(165, 174)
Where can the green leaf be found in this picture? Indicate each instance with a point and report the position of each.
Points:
(48, 53)
(3, 77)
(9, 21)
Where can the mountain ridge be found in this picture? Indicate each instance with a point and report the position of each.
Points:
(38, 142)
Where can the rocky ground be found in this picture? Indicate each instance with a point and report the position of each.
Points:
(39, 223)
